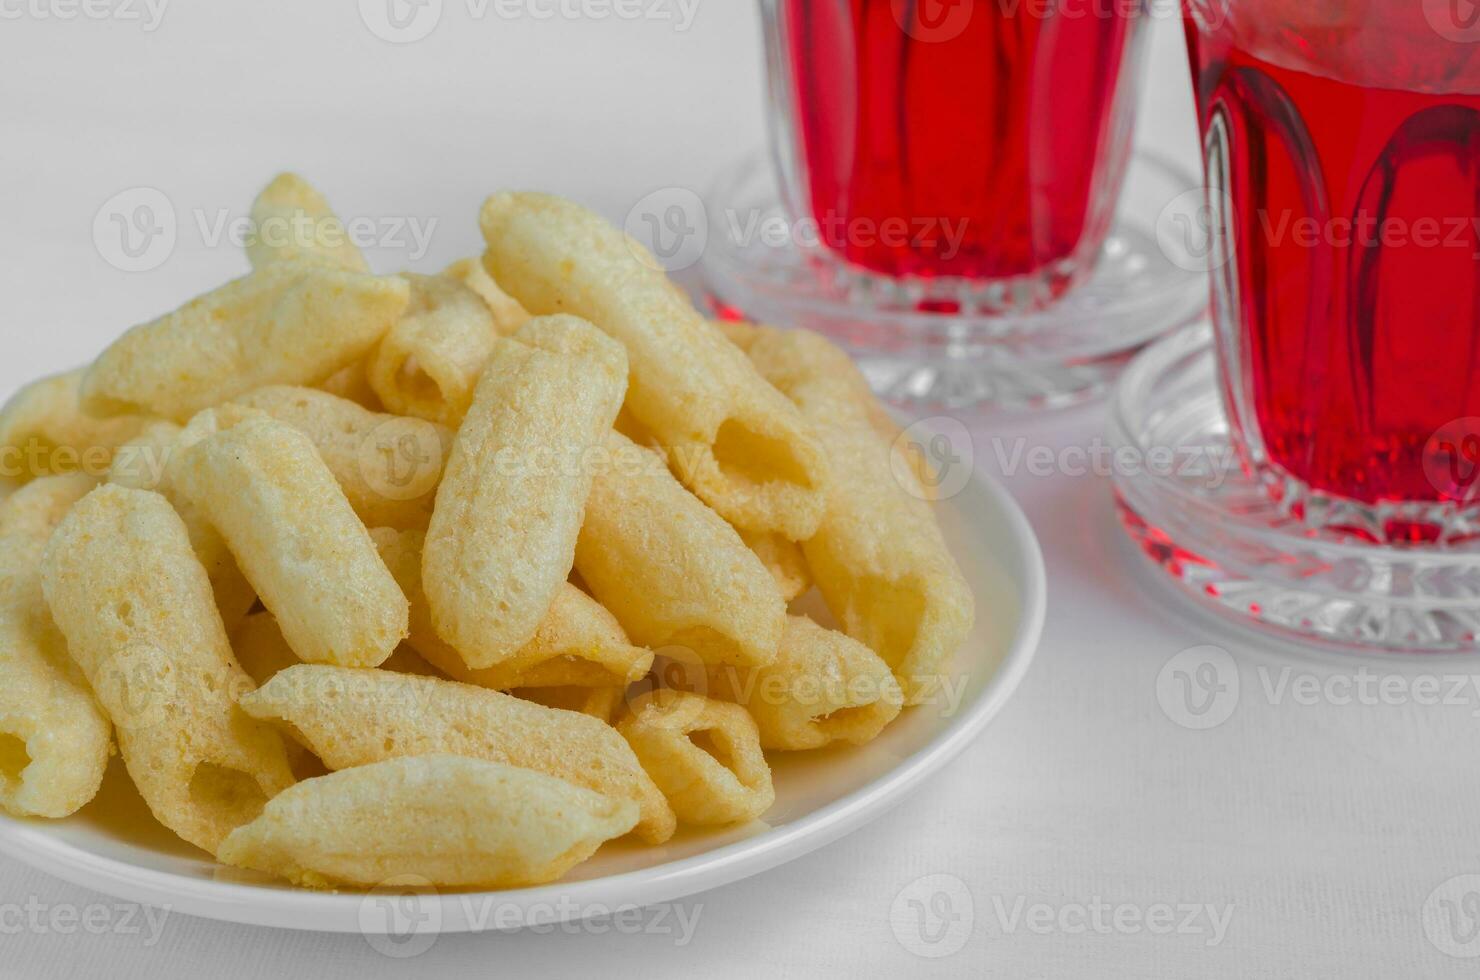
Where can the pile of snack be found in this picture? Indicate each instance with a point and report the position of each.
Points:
(454, 576)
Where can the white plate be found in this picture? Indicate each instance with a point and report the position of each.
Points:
(114, 846)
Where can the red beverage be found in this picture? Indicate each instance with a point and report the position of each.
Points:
(1345, 157)
(973, 139)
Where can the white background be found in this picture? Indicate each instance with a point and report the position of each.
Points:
(1321, 828)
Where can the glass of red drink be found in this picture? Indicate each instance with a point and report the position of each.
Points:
(973, 147)
(1342, 142)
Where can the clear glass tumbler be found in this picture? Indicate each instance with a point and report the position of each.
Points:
(1342, 143)
(975, 145)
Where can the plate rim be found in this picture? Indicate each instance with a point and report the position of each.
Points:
(308, 911)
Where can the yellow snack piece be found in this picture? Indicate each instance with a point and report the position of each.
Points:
(452, 821)
(262, 484)
(783, 559)
(143, 463)
(508, 315)
(388, 466)
(286, 323)
(579, 643)
(878, 557)
(670, 569)
(135, 605)
(54, 739)
(823, 687)
(730, 437)
(353, 718)
(292, 222)
(503, 532)
(705, 755)
(44, 431)
(429, 363)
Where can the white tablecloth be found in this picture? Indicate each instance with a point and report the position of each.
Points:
(1092, 835)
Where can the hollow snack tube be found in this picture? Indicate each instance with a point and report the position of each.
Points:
(445, 820)
(143, 463)
(291, 222)
(577, 644)
(735, 442)
(54, 738)
(670, 569)
(262, 484)
(136, 608)
(705, 756)
(285, 323)
(823, 687)
(429, 363)
(879, 557)
(503, 532)
(351, 718)
(44, 431)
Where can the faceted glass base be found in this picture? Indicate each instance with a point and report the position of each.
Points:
(931, 343)
(1219, 533)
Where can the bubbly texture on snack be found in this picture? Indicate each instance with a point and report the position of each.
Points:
(351, 718)
(54, 739)
(503, 534)
(705, 755)
(879, 557)
(452, 821)
(286, 323)
(733, 441)
(297, 540)
(136, 608)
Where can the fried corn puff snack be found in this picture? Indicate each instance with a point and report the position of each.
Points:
(823, 687)
(143, 463)
(136, 608)
(54, 739)
(732, 440)
(286, 323)
(503, 532)
(353, 718)
(452, 821)
(293, 223)
(262, 484)
(579, 643)
(670, 569)
(429, 363)
(879, 557)
(43, 430)
(704, 755)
